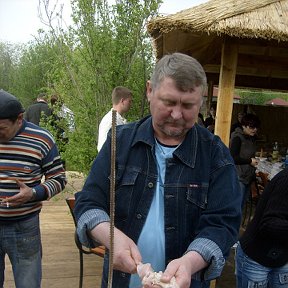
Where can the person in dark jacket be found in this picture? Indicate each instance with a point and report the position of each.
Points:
(243, 150)
(177, 199)
(37, 110)
(262, 256)
(238, 123)
(210, 120)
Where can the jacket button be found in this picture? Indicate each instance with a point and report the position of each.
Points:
(150, 185)
(123, 275)
(139, 216)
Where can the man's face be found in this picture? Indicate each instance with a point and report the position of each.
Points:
(9, 129)
(173, 111)
(212, 112)
(240, 116)
(127, 102)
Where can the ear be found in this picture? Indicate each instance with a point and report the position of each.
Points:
(148, 90)
(20, 119)
(20, 116)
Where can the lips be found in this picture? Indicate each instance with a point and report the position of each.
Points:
(175, 124)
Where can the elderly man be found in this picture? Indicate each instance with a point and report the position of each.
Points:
(28, 153)
(177, 194)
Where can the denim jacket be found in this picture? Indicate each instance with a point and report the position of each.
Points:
(201, 195)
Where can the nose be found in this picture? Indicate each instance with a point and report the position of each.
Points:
(176, 113)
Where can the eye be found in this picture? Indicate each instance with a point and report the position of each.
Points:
(168, 103)
(188, 106)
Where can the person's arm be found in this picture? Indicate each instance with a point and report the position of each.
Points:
(26, 114)
(275, 218)
(104, 126)
(126, 254)
(47, 111)
(55, 178)
(55, 181)
(93, 222)
(92, 203)
(183, 268)
(26, 194)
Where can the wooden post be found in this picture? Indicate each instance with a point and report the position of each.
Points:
(209, 97)
(213, 284)
(226, 90)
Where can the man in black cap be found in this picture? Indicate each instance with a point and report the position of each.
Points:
(10, 109)
(28, 153)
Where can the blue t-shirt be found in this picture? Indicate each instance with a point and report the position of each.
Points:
(151, 242)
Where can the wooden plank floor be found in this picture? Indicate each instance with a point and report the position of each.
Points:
(60, 255)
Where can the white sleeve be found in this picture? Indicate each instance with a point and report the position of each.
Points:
(104, 127)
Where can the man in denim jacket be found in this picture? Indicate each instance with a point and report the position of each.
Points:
(177, 195)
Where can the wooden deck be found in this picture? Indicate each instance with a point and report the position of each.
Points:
(60, 255)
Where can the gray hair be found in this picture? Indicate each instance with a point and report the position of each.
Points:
(185, 70)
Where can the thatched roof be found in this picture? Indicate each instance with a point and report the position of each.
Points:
(264, 19)
(259, 28)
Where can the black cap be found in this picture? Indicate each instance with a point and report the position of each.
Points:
(9, 105)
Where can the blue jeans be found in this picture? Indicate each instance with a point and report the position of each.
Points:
(250, 274)
(21, 241)
(244, 190)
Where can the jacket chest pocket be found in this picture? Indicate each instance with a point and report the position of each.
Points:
(124, 194)
(197, 194)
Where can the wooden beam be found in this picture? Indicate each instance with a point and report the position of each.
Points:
(209, 96)
(263, 62)
(213, 284)
(254, 71)
(226, 90)
(245, 81)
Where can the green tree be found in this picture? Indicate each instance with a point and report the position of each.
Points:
(9, 57)
(107, 46)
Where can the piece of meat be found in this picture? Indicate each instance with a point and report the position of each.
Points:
(149, 277)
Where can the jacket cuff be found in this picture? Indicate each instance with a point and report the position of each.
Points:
(40, 193)
(89, 220)
(212, 254)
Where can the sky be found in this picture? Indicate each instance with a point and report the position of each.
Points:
(19, 19)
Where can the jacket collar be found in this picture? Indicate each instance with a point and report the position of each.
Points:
(186, 152)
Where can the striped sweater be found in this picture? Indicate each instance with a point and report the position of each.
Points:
(29, 156)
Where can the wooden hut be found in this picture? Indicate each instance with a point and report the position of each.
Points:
(240, 43)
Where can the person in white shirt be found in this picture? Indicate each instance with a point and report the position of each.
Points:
(121, 100)
(67, 114)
